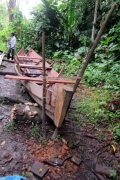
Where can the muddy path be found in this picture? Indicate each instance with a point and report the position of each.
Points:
(20, 148)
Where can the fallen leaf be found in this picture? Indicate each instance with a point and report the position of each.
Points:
(40, 170)
(9, 159)
(73, 159)
(2, 143)
(113, 148)
(64, 141)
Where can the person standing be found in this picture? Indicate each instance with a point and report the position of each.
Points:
(12, 46)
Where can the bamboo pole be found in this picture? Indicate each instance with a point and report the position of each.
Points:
(44, 86)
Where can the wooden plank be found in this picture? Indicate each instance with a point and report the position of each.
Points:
(28, 57)
(21, 52)
(32, 66)
(36, 91)
(62, 102)
(1, 58)
(49, 109)
(62, 78)
(39, 79)
(26, 60)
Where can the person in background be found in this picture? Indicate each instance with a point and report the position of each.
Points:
(12, 46)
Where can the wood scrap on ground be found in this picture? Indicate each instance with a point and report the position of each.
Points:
(1, 57)
(26, 113)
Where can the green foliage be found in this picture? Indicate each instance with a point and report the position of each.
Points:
(34, 132)
(25, 174)
(93, 104)
(105, 67)
(71, 13)
(113, 174)
(41, 140)
(4, 38)
(70, 60)
(107, 72)
(5, 101)
(62, 22)
(9, 126)
(59, 137)
(117, 132)
(3, 16)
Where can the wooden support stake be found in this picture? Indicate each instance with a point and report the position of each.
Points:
(55, 133)
(60, 73)
(44, 85)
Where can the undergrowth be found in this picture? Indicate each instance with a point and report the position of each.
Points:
(94, 106)
(100, 103)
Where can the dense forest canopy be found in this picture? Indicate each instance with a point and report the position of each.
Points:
(71, 27)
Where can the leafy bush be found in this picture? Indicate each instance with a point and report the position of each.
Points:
(117, 132)
(93, 103)
(4, 38)
(71, 63)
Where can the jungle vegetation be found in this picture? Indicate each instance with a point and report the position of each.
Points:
(71, 27)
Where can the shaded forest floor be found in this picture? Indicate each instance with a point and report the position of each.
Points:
(21, 146)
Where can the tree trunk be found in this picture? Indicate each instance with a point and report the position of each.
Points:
(94, 21)
(11, 6)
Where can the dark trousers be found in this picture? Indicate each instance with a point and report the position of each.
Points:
(10, 51)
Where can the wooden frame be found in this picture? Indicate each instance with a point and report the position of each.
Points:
(58, 94)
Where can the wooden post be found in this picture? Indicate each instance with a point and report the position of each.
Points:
(44, 85)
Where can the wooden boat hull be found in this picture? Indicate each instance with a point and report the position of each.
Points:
(58, 96)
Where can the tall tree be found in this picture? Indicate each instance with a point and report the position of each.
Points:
(94, 21)
(11, 6)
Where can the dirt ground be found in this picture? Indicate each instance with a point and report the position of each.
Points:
(18, 150)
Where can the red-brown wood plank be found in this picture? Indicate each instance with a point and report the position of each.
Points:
(32, 66)
(39, 79)
(28, 57)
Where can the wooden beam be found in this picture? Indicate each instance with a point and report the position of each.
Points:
(26, 60)
(28, 57)
(23, 73)
(60, 73)
(32, 66)
(62, 78)
(39, 79)
(62, 102)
